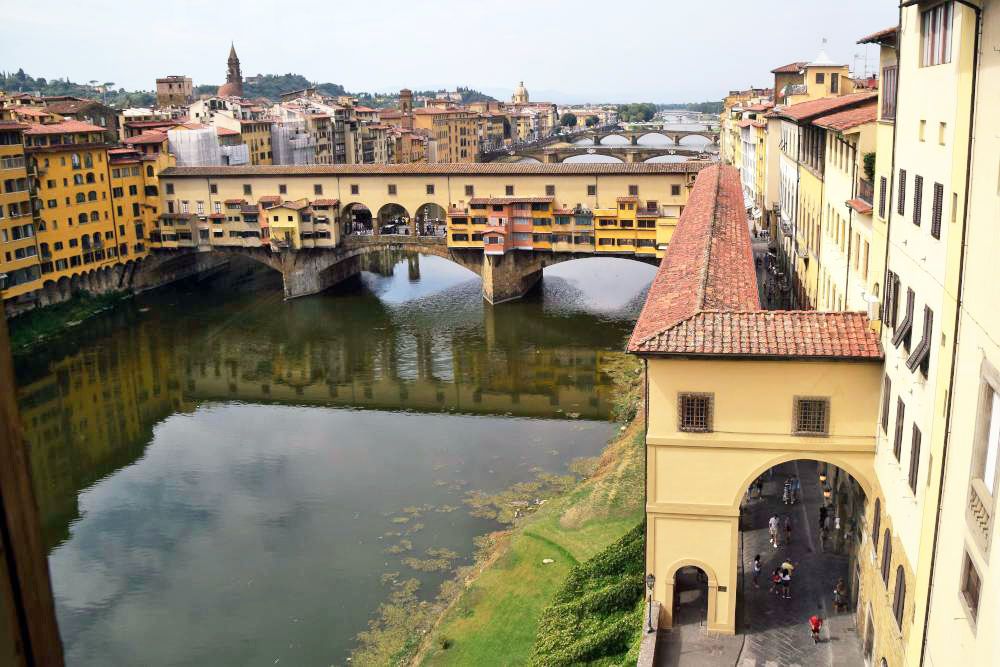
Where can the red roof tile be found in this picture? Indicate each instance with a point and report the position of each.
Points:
(148, 137)
(791, 68)
(235, 201)
(225, 132)
(325, 202)
(880, 36)
(764, 333)
(708, 263)
(703, 300)
(62, 127)
(861, 206)
(807, 111)
(444, 168)
(845, 120)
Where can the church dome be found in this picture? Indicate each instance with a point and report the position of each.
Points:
(520, 93)
(231, 89)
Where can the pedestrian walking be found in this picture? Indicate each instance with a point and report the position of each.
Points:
(786, 584)
(776, 581)
(796, 489)
(788, 530)
(772, 528)
(840, 596)
(815, 624)
(760, 486)
(786, 495)
(756, 571)
(823, 512)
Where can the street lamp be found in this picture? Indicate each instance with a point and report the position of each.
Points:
(650, 581)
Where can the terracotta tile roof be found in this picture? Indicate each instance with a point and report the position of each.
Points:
(860, 205)
(235, 201)
(880, 36)
(296, 205)
(444, 169)
(708, 263)
(12, 125)
(156, 123)
(30, 111)
(703, 300)
(269, 199)
(774, 334)
(845, 120)
(627, 198)
(71, 106)
(325, 202)
(148, 137)
(62, 127)
(225, 132)
(790, 68)
(807, 111)
(763, 106)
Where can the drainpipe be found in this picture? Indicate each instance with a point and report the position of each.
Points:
(958, 309)
(850, 218)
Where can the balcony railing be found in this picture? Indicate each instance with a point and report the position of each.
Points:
(866, 190)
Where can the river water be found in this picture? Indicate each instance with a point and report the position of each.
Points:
(220, 473)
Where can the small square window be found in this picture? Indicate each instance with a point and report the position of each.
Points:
(633, 190)
(170, 188)
(247, 190)
(550, 191)
(971, 586)
(591, 190)
(812, 416)
(694, 413)
(355, 188)
(392, 189)
(282, 189)
(430, 189)
(675, 191)
(317, 189)
(469, 191)
(509, 190)
(213, 188)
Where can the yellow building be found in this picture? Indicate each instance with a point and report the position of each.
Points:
(19, 260)
(454, 133)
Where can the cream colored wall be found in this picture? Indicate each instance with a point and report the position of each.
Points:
(953, 636)
(695, 521)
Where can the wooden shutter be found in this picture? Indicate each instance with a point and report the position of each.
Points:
(876, 523)
(937, 211)
(899, 597)
(918, 198)
(915, 458)
(886, 396)
(897, 441)
(886, 557)
(883, 184)
(901, 193)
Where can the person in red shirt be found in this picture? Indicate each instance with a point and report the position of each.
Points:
(815, 623)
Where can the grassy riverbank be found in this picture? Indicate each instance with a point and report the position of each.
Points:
(42, 324)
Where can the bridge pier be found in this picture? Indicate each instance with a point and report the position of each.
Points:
(511, 276)
(314, 274)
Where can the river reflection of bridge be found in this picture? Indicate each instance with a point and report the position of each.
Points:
(90, 408)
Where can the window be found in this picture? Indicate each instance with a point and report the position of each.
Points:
(936, 210)
(430, 189)
(901, 193)
(905, 329)
(876, 523)
(811, 416)
(899, 598)
(888, 85)
(317, 189)
(135, 209)
(469, 190)
(392, 189)
(883, 184)
(820, 77)
(886, 397)
(170, 188)
(886, 557)
(633, 190)
(918, 198)
(891, 305)
(897, 441)
(988, 438)
(591, 190)
(834, 83)
(247, 190)
(550, 191)
(282, 189)
(914, 458)
(694, 412)
(459, 237)
(922, 353)
(935, 35)
(971, 585)
(509, 190)
(675, 191)
(355, 188)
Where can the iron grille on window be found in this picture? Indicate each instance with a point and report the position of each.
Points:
(812, 416)
(695, 412)
(918, 198)
(936, 211)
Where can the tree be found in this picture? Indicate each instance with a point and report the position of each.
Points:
(591, 121)
(568, 119)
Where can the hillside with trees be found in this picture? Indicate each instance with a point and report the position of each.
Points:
(103, 91)
(701, 107)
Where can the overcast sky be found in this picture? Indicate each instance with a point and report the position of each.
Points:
(565, 51)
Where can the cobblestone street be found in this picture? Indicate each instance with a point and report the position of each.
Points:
(776, 630)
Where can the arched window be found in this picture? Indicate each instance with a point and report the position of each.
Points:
(77, 179)
(92, 195)
(899, 598)
(88, 160)
(876, 523)
(90, 177)
(82, 218)
(94, 216)
(75, 159)
(80, 198)
(149, 170)
(886, 557)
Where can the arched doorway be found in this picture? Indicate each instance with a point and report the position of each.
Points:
(356, 219)
(690, 596)
(393, 219)
(430, 220)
